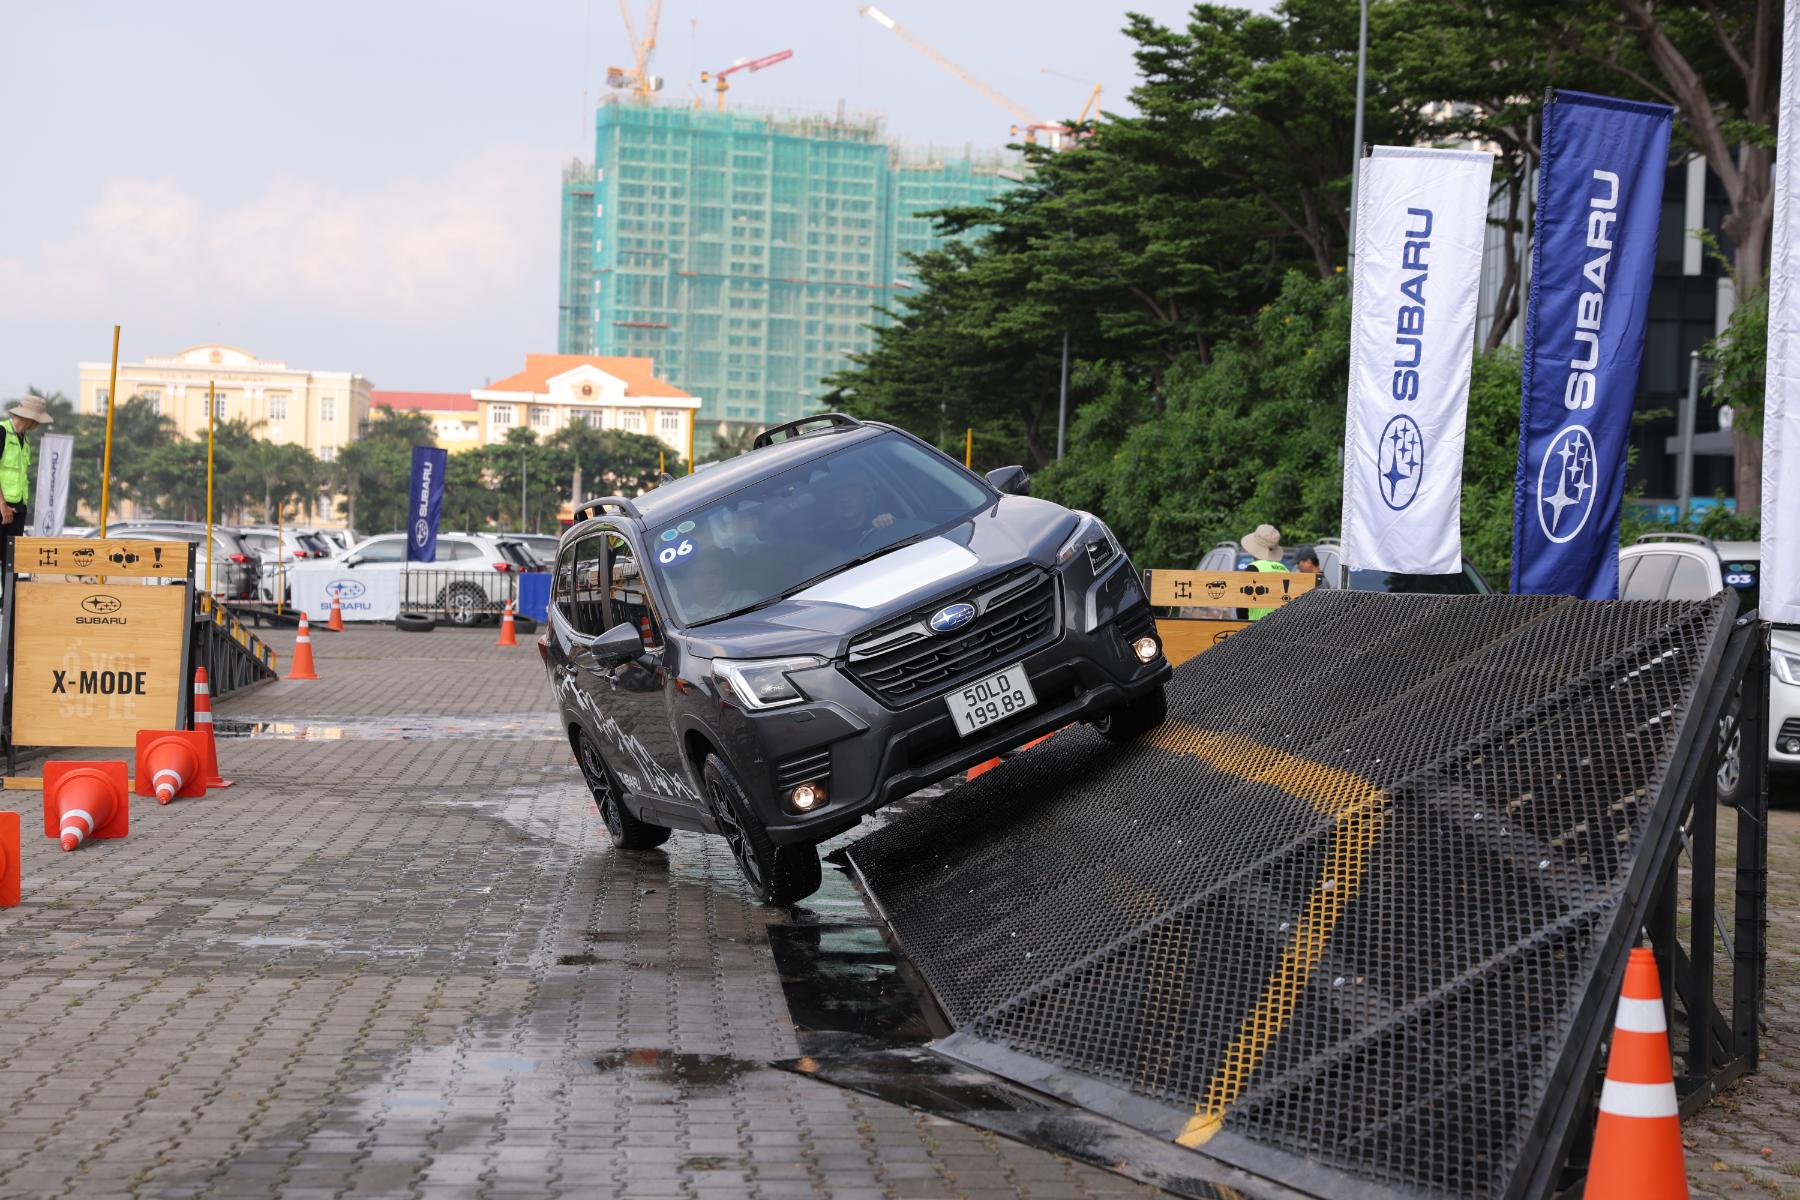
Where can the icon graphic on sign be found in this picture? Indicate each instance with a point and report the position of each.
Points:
(1571, 459)
(1400, 462)
(157, 551)
(123, 557)
(83, 556)
(46, 556)
(1184, 590)
(1215, 588)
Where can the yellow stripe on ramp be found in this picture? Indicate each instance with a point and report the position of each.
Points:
(1357, 809)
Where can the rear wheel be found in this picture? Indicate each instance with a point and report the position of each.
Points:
(627, 831)
(463, 603)
(1728, 741)
(779, 874)
(1133, 719)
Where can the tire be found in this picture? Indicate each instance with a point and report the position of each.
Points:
(524, 625)
(779, 875)
(464, 604)
(1131, 720)
(1728, 743)
(414, 623)
(626, 831)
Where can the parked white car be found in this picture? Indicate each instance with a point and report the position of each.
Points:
(470, 581)
(1685, 566)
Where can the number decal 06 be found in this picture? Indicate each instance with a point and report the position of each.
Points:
(669, 554)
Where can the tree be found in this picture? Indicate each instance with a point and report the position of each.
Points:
(372, 471)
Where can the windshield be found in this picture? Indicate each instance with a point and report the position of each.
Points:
(518, 554)
(776, 535)
(1745, 575)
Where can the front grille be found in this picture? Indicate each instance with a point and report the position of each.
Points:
(812, 767)
(902, 660)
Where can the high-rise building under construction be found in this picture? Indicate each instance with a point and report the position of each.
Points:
(747, 253)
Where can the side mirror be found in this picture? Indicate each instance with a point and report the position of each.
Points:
(1010, 481)
(620, 644)
(352, 560)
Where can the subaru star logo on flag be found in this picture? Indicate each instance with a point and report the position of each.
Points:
(1402, 461)
(1566, 479)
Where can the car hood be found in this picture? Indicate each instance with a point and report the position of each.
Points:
(821, 620)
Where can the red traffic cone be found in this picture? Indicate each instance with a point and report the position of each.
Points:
(336, 623)
(171, 763)
(85, 800)
(1637, 1143)
(9, 859)
(508, 635)
(303, 662)
(203, 723)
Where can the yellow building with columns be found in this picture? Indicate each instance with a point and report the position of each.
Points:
(321, 410)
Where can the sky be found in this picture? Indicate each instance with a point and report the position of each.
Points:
(372, 186)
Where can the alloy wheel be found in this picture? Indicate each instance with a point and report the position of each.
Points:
(725, 816)
(599, 781)
(1730, 753)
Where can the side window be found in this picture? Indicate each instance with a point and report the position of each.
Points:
(1650, 581)
(459, 550)
(589, 594)
(562, 584)
(384, 551)
(626, 593)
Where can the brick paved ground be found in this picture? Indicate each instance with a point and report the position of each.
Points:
(414, 966)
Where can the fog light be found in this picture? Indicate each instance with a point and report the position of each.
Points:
(1791, 746)
(806, 797)
(1145, 648)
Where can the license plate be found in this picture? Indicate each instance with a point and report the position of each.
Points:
(992, 700)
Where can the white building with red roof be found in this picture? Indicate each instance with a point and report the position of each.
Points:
(455, 416)
(555, 390)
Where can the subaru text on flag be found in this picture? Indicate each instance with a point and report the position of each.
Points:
(773, 648)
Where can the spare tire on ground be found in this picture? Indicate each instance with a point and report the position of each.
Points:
(525, 625)
(414, 623)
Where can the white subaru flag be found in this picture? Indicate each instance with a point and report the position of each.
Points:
(50, 494)
(1421, 218)
(1781, 403)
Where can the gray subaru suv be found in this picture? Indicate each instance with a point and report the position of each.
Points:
(774, 647)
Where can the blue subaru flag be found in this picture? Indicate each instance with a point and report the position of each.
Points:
(1599, 202)
(425, 501)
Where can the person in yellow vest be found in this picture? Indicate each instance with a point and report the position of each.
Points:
(1263, 545)
(15, 468)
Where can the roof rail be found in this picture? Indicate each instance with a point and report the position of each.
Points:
(793, 429)
(1693, 538)
(588, 508)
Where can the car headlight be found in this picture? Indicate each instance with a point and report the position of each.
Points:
(1787, 666)
(1088, 529)
(763, 682)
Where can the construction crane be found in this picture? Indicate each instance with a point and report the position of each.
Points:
(1025, 121)
(637, 78)
(1093, 96)
(753, 65)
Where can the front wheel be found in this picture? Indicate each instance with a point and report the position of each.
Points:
(1728, 746)
(1134, 718)
(778, 874)
(464, 603)
(627, 831)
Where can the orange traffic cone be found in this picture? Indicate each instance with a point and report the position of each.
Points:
(203, 723)
(9, 859)
(303, 663)
(85, 800)
(336, 623)
(508, 635)
(171, 763)
(1637, 1143)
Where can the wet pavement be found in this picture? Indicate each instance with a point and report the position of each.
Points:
(400, 958)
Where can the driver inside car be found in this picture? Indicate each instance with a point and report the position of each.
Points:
(849, 503)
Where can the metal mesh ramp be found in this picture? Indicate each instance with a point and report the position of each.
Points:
(1348, 920)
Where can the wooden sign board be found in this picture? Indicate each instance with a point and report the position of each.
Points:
(92, 663)
(1228, 589)
(1181, 640)
(114, 558)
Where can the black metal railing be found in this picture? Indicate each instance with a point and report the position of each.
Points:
(458, 597)
(234, 657)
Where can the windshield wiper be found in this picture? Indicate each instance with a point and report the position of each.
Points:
(821, 577)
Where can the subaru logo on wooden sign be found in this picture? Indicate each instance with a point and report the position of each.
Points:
(951, 617)
(101, 605)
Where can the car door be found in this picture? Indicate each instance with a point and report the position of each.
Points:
(640, 688)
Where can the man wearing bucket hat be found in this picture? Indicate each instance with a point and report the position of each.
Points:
(1263, 545)
(15, 467)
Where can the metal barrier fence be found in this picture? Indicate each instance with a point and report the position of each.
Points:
(458, 597)
(234, 657)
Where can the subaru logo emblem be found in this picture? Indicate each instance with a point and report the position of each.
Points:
(1400, 462)
(421, 532)
(102, 605)
(953, 616)
(1567, 480)
(346, 589)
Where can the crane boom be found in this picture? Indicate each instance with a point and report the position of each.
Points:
(906, 35)
(753, 65)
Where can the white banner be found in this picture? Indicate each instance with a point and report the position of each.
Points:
(363, 594)
(50, 494)
(1780, 601)
(1421, 218)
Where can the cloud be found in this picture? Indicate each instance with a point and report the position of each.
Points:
(414, 248)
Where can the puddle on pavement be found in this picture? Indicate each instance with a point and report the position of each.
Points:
(691, 1074)
(418, 728)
